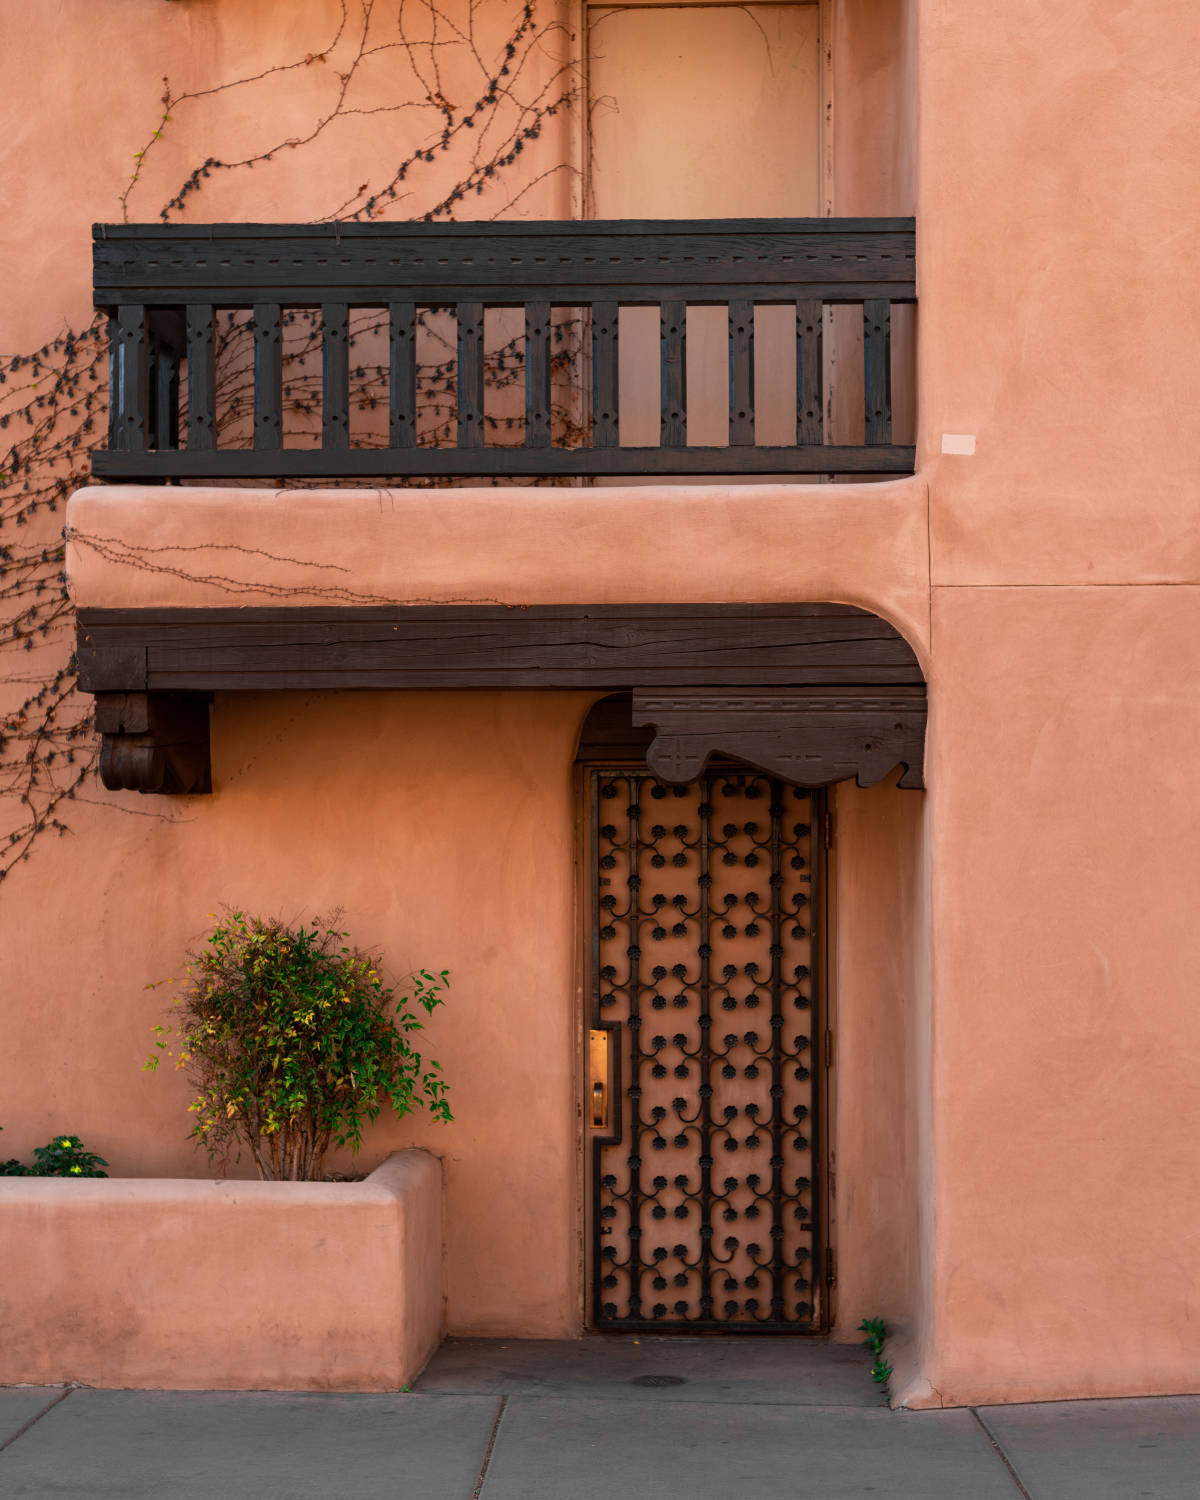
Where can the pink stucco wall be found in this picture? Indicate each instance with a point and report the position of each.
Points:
(446, 823)
(1018, 1188)
(1063, 852)
(879, 997)
(1054, 151)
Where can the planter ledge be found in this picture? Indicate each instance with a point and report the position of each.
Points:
(164, 1282)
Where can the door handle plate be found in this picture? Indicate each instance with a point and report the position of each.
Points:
(598, 1078)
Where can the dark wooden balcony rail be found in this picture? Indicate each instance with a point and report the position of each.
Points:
(165, 287)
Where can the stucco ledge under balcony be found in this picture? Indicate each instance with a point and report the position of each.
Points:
(140, 547)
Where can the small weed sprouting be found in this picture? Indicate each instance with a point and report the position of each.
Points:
(881, 1372)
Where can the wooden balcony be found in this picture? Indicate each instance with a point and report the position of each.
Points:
(392, 351)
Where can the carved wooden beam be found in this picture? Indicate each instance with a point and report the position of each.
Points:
(811, 737)
(154, 742)
(602, 646)
(814, 693)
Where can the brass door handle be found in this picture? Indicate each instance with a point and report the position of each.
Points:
(598, 1069)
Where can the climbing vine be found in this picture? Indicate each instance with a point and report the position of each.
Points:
(510, 71)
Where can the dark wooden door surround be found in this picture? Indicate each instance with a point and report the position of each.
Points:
(810, 693)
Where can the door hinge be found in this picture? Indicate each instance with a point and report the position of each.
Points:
(829, 1049)
(828, 830)
(830, 1269)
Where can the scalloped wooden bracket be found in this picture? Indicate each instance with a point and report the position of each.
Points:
(154, 742)
(811, 737)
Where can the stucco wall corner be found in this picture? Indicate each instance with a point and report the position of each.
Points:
(414, 1177)
(916, 1394)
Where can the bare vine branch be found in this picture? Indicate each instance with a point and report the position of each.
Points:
(53, 401)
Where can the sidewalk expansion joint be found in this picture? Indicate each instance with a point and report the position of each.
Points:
(21, 1431)
(1000, 1453)
(487, 1457)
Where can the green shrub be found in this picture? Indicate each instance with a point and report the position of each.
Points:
(64, 1156)
(294, 1042)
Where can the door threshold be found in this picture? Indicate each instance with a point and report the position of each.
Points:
(804, 1370)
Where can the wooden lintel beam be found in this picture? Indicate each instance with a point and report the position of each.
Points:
(813, 692)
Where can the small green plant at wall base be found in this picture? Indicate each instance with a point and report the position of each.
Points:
(64, 1156)
(876, 1336)
(12, 1167)
(294, 1042)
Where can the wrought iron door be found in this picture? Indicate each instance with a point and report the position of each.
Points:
(703, 1111)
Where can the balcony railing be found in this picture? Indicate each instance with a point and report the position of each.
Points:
(243, 351)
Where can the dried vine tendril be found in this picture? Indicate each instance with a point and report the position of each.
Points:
(54, 401)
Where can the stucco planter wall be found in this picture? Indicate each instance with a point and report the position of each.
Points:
(226, 1285)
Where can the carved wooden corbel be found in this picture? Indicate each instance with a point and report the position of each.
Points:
(810, 736)
(154, 742)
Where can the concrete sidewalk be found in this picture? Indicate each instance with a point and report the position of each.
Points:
(598, 1419)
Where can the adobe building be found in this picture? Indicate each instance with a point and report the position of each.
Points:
(684, 515)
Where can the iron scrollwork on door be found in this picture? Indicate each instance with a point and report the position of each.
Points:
(704, 957)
